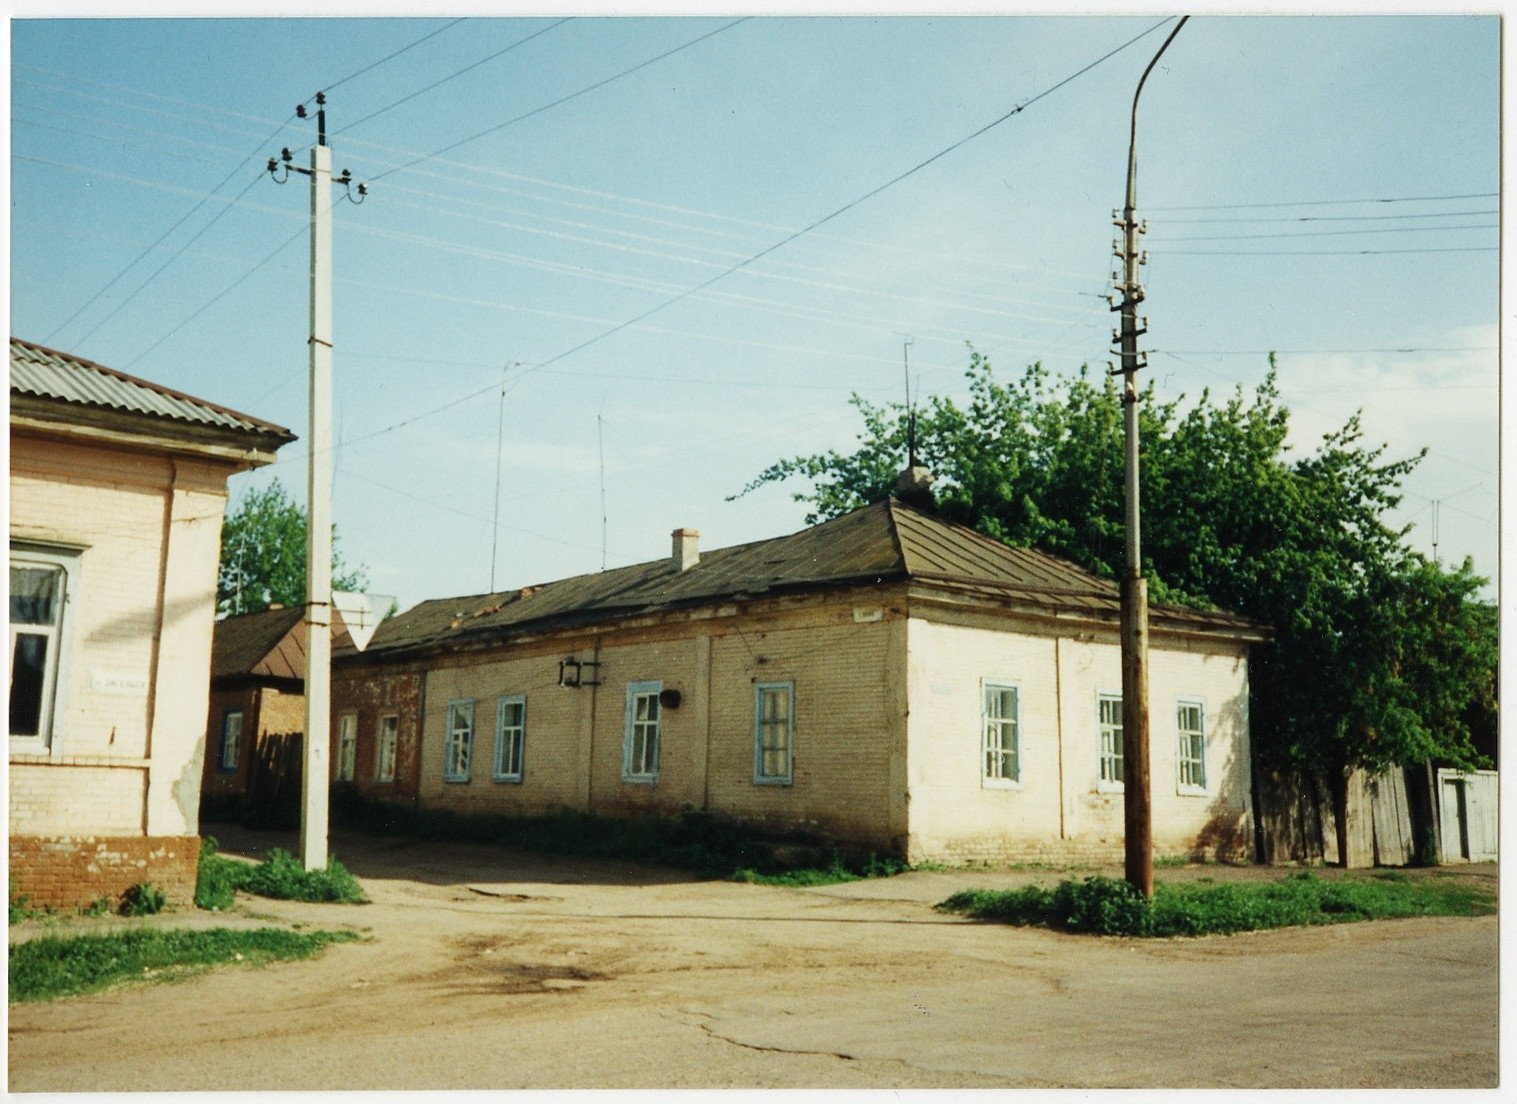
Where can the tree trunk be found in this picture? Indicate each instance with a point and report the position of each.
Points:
(1337, 781)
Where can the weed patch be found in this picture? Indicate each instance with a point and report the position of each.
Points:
(834, 873)
(280, 876)
(57, 966)
(1108, 906)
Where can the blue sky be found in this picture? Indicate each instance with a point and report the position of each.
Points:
(1321, 186)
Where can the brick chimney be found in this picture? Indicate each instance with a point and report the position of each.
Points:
(914, 487)
(687, 551)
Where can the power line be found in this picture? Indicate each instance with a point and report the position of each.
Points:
(1337, 218)
(391, 57)
(291, 240)
(1321, 252)
(451, 76)
(779, 244)
(1325, 233)
(563, 100)
(1326, 202)
(161, 237)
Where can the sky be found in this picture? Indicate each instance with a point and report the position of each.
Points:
(680, 245)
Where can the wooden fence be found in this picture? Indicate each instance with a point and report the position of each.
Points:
(1388, 814)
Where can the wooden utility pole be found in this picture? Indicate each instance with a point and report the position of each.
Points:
(1137, 801)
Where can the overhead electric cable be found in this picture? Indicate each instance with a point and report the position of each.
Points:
(779, 244)
(161, 237)
(291, 240)
(1322, 252)
(563, 100)
(392, 57)
(258, 150)
(1325, 202)
(451, 76)
(1325, 233)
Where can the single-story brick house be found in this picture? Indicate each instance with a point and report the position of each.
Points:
(258, 669)
(885, 680)
(117, 491)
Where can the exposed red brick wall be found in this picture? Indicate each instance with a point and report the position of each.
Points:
(370, 693)
(69, 872)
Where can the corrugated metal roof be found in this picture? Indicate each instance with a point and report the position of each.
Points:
(882, 543)
(49, 374)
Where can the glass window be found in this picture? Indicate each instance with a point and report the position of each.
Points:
(510, 737)
(384, 753)
(231, 740)
(1190, 723)
(640, 744)
(1000, 727)
(1110, 723)
(347, 746)
(774, 728)
(38, 591)
(459, 741)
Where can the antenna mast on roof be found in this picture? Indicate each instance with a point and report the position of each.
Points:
(500, 433)
(911, 410)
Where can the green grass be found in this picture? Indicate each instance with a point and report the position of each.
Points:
(280, 875)
(65, 966)
(837, 871)
(1108, 906)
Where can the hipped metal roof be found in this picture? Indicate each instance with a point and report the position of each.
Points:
(43, 373)
(887, 542)
(268, 644)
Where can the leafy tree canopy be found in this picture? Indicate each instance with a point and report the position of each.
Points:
(263, 555)
(1380, 656)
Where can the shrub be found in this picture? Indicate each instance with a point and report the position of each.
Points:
(280, 875)
(143, 899)
(19, 902)
(217, 879)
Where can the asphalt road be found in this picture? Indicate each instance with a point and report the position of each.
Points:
(488, 969)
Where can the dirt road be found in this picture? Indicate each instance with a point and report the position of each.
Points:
(487, 969)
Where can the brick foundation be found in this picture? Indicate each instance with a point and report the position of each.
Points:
(71, 872)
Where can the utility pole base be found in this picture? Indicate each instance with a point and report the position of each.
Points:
(1137, 802)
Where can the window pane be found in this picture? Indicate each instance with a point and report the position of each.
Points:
(28, 681)
(34, 595)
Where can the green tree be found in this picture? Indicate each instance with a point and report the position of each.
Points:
(1380, 656)
(263, 555)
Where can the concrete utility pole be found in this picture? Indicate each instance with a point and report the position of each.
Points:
(315, 776)
(1137, 803)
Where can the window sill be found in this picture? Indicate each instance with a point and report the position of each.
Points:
(512, 779)
(1001, 784)
(1193, 791)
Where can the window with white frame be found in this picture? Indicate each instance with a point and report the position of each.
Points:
(1001, 728)
(458, 742)
(347, 746)
(640, 743)
(1190, 755)
(510, 737)
(773, 731)
(231, 740)
(1109, 721)
(384, 749)
(40, 584)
